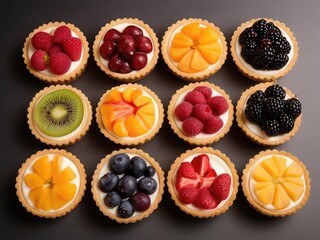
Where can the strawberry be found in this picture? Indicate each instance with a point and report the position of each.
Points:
(192, 126)
(73, 48)
(213, 124)
(206, 91)
(39, 60)
(42, 41)
(188, 194)
(186, 182)
(59, 63)
(183, 110)
(186, 170)
(218, 105)
(195, 97)
(220, 186)
(207, 180)
(201, 164)
(60, 34)
(205, 200)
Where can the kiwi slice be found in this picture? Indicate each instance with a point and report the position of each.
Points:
(59, 112)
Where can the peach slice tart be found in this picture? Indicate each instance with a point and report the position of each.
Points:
(194, 49)
(51, 183)
(129, 114)
(276, 183)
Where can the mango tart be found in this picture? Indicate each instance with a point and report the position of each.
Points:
(51, 183)
(276, 183)
(194, 49)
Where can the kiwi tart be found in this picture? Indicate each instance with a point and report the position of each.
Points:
(59, 115)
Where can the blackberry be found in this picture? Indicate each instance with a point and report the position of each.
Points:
(265, 42)
(282, 46)
(247, 34)
(293, 107)
(273, 29)
(275, 90)
(254, 113)
(279, 61)
(248, 50)
(273, 107)
(257, 97)
(263, 57)
(271, 127)
(286, 123)
(261, 28)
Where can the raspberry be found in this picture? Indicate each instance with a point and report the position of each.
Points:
(257, 97)
(293, 107)
(59, 63)
(73, 48)
(218, 104)
(55, 49)
(195, 97)
(183, 110)
(192, 126)
(188, 194)
(39, 60)
(206, 91)
(202, 111)
(212, 125)
(275, 90)
(248, 34)
(60, 34)
(42, 41)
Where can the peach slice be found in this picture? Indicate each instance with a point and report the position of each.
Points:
(294, 170)
(185, 63)
(178, 53)
(56, 165)
(192, 30)
(270, 166)
(281, 199)
(34, 180)
(265, 195)
(181, 40)
(127, 94)
(67, 175)
(120, 128)
(211, 56)
(294, 190)
(281, 164)
(198, 63)
(114, 96)
(66, 190)
(135, 126)
(208, 35)
(37, 195)
(261, 175)
(214, 46)
(139, 99)
(43, 167)
(57, 201)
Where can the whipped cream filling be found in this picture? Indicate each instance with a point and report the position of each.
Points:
(265, 72)
(252, 182)
(179, 123)
(120, 27)
(66, 162)
(219, 166)
(105, 169)
(47, 72)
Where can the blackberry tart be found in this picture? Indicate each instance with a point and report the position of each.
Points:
(269, 114)
(264, 49)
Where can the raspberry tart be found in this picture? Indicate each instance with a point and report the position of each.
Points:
(126, 49)
(269, 114)
(194, 49)
(276, 183)
(203, 182)
(129, 114)
(200, 113)
(127, 185)
(56, 52)
(51, 183)
(264, 49)
(59, 115)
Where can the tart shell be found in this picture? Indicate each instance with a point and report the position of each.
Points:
(59, 212)
(260, 77)
(99, 202)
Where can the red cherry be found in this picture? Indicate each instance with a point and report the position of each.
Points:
(143, 44)
(112, 35)
(107, 49)
(115, 63)
(139, 60)
(132, 30)
(125, 46)
(126, 68)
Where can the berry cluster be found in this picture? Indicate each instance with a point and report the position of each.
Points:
(200, 112)
(271, 111)
(57, 51)
(197, 183)
(264, 46)
(126, 51)
(128, 185)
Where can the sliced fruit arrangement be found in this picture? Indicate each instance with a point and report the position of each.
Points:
(195, 47)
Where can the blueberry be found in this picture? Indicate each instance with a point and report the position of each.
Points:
(125, 209)
(108, 182)
(149, 172)
(140, 201)
(137, 166)
(147, 185)
(127, 186)
(119, 163)
(112, 199)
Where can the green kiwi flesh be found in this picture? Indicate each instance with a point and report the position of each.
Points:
(59, 112)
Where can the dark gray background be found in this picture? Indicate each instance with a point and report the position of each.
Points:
(18, 87)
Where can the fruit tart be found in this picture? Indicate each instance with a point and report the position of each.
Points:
(203, 182)
(127, 185)
(56, 52)
(276, 183)
(264, 49)
(51, 183)
(269, 114)
(59, 115)
(194, 49)
(126, 49)
(129, 114)
(200, 113)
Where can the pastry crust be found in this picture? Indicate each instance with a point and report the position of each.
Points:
(212, 138)
(54, 78)
(199, 76)
(260, 76)
(247, 176)
(101, 167)
(51, 213)
(132, 141)
(241, 119)
(198, 212)
(57, 141)
(134, 75)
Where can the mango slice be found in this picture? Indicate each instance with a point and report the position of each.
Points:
(294, 170)
(281, 199)
(294, 190)
(265, 195)
(270, 166)
(261, 175)
(34, 180)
